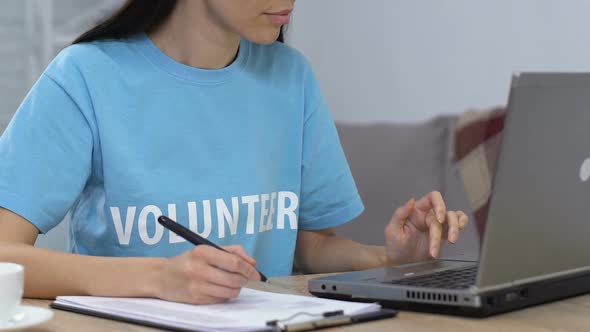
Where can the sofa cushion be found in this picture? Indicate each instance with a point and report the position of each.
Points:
(393, 162)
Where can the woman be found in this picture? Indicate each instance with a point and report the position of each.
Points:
(189, 109)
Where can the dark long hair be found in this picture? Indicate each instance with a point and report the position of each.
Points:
(133, 17)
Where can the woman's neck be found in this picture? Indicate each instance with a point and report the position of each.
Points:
(193, 37)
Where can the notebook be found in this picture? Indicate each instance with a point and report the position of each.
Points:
(252, 310)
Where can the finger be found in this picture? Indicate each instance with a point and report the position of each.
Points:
(463, 219)
(240, 251)
(223, 278)
(453, 222)
(433, 201)
(232, 263)
(401, 214)
(220, 292)
(435, 232)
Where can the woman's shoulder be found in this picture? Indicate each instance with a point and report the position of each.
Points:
(96, 56)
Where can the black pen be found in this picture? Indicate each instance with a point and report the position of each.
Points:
(193, 237)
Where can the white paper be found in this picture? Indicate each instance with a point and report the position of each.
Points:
(249, 311)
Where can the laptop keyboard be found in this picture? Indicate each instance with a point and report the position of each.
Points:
(448, 279)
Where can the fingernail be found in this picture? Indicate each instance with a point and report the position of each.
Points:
(440, 216)
(433, 252)
(453, 237)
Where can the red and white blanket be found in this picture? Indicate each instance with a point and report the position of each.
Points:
(477, 142)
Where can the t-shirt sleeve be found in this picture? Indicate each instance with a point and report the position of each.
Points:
(46, 152)
(329, 196)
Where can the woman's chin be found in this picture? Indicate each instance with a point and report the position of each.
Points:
(268, 36)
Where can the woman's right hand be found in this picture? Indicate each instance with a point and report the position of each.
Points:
(206, 275)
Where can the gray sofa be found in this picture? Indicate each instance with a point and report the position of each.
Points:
(392, 163)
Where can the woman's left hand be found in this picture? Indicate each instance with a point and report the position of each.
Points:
(417, 229)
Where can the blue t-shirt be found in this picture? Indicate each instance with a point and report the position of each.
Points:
(116, 133)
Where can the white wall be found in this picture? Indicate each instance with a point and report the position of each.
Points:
(394, 60)
(407, 60)
(31, 33)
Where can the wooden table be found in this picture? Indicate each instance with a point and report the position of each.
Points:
(568, 315)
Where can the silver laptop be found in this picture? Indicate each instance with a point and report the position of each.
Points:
(536, 246)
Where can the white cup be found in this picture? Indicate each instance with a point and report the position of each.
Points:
(11, 289)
